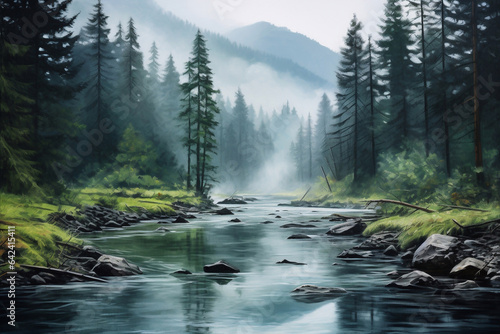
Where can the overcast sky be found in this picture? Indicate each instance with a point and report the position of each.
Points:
(325, 21)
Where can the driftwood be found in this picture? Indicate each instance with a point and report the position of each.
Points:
(307, 192)
(65, 272)
(477, 225)
(400, 203)
(462, 208)
(326, 178)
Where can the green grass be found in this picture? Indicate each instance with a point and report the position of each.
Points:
(416, 227)
(36, 238)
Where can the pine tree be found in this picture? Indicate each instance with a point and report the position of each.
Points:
(132, 66)
(324, 117)
(51, 70)
(199, 95)
(18, 168)
(350, 98)
(154, 66)
(99, 82)
(309, 147)
(395, 50)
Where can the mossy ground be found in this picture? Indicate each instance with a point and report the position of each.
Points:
(36, 238)
(416, 227)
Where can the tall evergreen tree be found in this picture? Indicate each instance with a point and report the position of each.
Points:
(395, 50)
(347, 128)
(199, 93)
(18, 168)
(132, 65)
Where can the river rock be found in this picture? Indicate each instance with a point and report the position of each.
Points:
(285, 261)
(182, 272)
(299, 236)
(292, 225)
(495, 281)
(235, 220)
(220, 267)
(353, 254)
(91, 251)
(267, 222)
(435, 254)
(108, 265)
(415, 279)
(391, 251)
(315, 294)
(350, 227)
(112, 224)
(408, 256)
(37, 280)
(469, 268)
(380, 240)
(162, 229)
(180, 220)
(232, 201)
(224, 212)
(466, 285)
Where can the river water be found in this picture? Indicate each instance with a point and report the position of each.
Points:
(258, 299)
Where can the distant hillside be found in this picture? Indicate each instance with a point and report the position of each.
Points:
(282, 42)
(176, 35)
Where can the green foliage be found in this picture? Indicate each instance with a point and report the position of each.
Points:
(108, 202)
(410, 176)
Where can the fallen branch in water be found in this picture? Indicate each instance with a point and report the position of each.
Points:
(307, 192)
(65, 272)
(399, 203)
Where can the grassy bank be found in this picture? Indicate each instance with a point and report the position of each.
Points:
(36, 238)
(415, 228)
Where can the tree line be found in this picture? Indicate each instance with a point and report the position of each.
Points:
(429, 80)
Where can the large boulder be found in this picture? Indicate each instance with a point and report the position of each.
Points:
(108, 265)
(469, 268)
(220, 267)
(315, 294)
(436, 254)
(350, 227)
(413, 280)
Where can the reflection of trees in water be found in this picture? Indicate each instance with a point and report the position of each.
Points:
(198, 301)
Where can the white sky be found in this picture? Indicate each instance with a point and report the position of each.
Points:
(325, 21)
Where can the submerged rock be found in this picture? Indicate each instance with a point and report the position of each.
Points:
(350, 227)
(285, 261)
(414, 280)
(108, 265)
(469, 268)
(232, 201)
(224, 212)
(267, 222)
(436, 254)
(220, 267)
(352, 254)
(235, 220)
(182, 272)
(180, 220)
(292, 225)
(314, 294)
(162, 229)
(299, 236)
(466, 285)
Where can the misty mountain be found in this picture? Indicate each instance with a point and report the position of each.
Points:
(266, 79)
(283, 43)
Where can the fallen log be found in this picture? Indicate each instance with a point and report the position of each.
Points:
(477, 225)
(307, 192)
(65, 272)
(400, 203)
(326, 178)
(462, 208)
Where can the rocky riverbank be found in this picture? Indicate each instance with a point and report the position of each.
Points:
(441, 261)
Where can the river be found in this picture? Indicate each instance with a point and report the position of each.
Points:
(258, 299)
